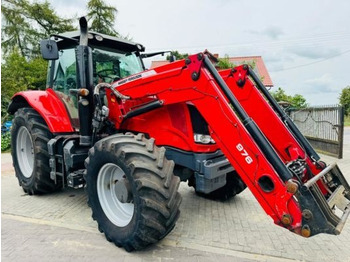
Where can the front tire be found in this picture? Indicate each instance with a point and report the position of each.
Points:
(29, 137)
(132, 190)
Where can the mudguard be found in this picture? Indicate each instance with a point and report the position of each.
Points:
(48, 104)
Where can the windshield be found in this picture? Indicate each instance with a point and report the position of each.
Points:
(108, 66)
(111, 66)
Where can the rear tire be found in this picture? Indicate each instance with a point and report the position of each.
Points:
(29, 137)
(132, 190)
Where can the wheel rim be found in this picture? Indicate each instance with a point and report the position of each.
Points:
(114, 194)
(25, 152)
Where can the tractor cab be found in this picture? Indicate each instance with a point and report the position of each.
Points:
(105, 59)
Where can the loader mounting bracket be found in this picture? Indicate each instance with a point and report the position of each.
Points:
(239, 74)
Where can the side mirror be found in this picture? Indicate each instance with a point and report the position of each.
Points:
(49, 49)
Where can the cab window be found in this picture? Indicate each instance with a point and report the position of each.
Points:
(110, 66)
(64, 79)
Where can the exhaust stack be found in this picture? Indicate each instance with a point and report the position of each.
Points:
(83, 31)
(85, 71)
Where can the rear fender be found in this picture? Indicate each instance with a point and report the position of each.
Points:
(48, 105)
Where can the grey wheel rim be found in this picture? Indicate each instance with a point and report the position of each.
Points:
(114, 195)
(25, 152)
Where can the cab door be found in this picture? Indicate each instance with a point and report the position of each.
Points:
(62, 78)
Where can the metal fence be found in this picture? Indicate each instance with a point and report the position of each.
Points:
(323, 126)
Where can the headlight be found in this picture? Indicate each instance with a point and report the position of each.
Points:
(203, 139)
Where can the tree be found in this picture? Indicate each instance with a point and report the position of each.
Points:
(15, 29)
(26, 23)
(296, 101)
(177, 55)
(18, 74)
(101, 17)
(47, 19)
(224, 63)
(280, 95)
(344, 99)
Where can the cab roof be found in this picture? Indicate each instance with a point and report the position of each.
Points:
(98, 40)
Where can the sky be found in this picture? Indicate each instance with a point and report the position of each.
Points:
(304, 44)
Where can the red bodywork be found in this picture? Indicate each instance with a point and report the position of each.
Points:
(48, 104)
(269, 123)
(173, 85)
(170, 125)
(183, 83)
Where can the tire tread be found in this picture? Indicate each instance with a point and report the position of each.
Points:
(155, 183)
(41, 182)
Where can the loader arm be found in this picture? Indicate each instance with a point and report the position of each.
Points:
(272, 121)
(260, 152)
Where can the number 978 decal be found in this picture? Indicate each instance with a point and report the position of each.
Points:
(244, 153)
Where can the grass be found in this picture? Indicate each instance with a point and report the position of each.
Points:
(6, 151)
(347, 120)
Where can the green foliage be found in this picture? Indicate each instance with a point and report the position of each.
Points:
(5, 141)
(296, 101)
(177, 55)
(344, 99)
(25, 23)
(15, 29)
(280, 95)
(47, 19)
(5, 101)
(102, 17)
(347, 120)
(224, 63)
(18, 74)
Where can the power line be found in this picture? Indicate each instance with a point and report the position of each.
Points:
(315, 62)
(300, 41)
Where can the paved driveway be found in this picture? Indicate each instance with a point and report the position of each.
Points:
(58, 227)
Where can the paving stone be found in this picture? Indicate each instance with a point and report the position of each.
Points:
(235, 230)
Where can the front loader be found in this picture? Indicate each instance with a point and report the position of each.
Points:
(130, 135)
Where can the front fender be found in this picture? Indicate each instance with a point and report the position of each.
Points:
(48, 105)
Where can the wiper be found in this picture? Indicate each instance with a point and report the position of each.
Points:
(154, 54)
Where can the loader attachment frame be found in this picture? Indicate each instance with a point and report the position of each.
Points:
(275, 168)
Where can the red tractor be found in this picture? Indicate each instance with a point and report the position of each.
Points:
(130, 135)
